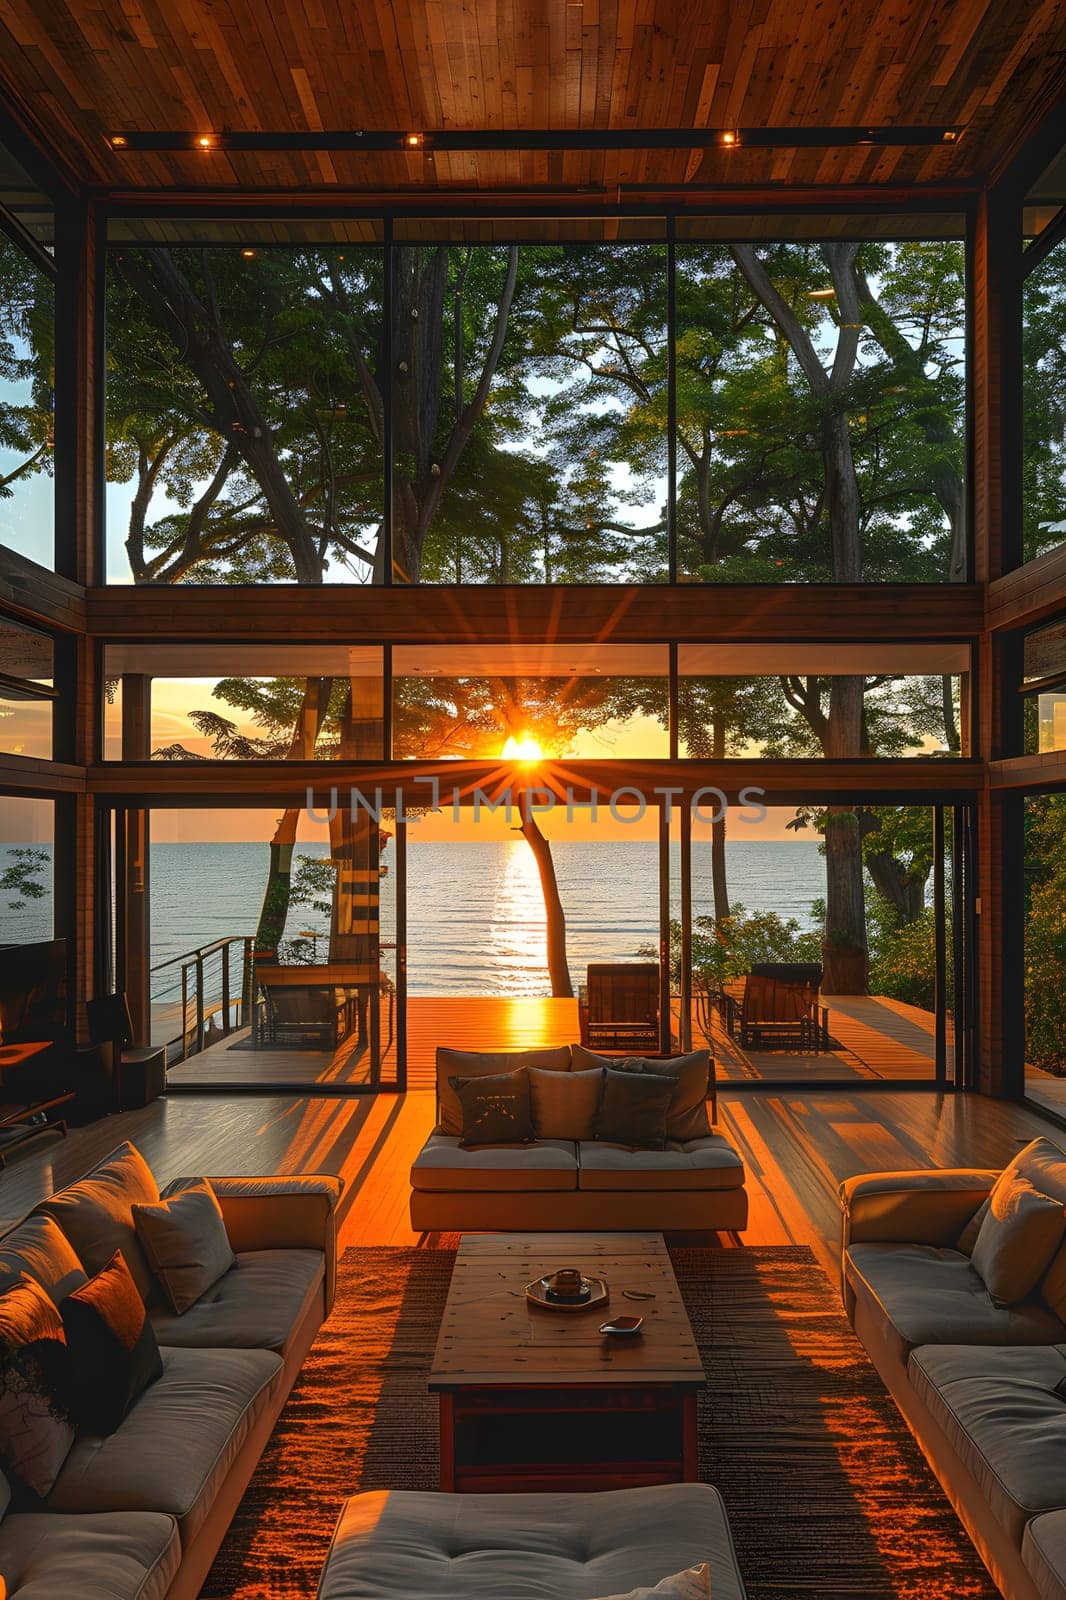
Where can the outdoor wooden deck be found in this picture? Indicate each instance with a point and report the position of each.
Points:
(872, 1037)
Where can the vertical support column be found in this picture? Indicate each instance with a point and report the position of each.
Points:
(79, 498)
(134, 885)
(997, 378)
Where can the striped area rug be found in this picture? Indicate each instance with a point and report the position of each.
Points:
(828, 1494)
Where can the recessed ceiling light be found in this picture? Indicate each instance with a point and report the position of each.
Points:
(248, 254)
(950, 135)
(414, 141)
(118, 141)
(205, 141)
(730, 136)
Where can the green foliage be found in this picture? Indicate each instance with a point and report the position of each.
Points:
(21, 877)
(903, 958)
(1045, 933)
(728, 948)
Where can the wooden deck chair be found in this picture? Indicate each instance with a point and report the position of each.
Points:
(619, 1008)
(780, 1007)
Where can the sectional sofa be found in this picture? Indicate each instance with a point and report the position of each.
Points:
(564, 1185)
(982, 1386)
(139, 1515)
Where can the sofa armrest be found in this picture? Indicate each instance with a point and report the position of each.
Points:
(282, 1213)
(925, 1207)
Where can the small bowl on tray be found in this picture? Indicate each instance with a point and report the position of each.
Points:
(575, 1293)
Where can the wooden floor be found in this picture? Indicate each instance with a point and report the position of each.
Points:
(796, 1147)
(871, 1037)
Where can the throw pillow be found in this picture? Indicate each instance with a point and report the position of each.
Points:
(692, 1584)
(691, 1075)
(36, 1433)
(565, 1103)
(185, 1240)
(40, 1248)
(483, 1064)
(95, 1214)
(496, 1109)
(113, 1351)
(1021, 1232)
(633, 1109)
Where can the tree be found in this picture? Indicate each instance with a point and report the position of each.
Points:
(21, 876)
(1045, 933)
(27, 370)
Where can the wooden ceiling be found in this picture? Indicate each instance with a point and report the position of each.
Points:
(77, 71)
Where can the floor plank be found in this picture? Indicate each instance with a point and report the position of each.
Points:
(797, 1148)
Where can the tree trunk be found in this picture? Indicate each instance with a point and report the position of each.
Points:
(275, 908)
(555, 920)
(904, 892)
(719, 881)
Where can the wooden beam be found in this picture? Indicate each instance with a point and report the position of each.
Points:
(26, 775)
(1030, 594)
(571, 614)
(916, 782)
(37, 595)
(1045, 771)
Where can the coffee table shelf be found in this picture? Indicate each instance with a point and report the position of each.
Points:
(534, 1399)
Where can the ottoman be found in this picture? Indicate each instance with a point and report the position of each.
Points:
(403, 1543)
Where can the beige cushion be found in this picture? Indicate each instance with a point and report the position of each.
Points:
(96, 1217)
(443, 1164)
(565, 1103)
(184, 1239)
(256, 1306)
(40, 1248)
(116, 1555)
(686, 1117)
(1003, 1421)
(396, 1545)
(922, 1294)
(483, 1064)
(1021, 1231)
(692, 1584)
(175, 1447)
(1044, 1554)
(709, 1163)
(1044, 1163)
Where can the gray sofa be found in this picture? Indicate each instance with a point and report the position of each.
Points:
(567, 1185)
(398, 1544)
(975, 1381)
(140, 1514)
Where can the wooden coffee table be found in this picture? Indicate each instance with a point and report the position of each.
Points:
(534, 1399)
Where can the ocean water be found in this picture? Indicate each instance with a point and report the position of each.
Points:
(475, 917)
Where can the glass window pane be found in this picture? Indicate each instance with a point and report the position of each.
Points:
(1045, 953)
(26, 667)
(1044, 688)
(781, 701)
(1044, 420)
(244, 702)
(27, 835)
(821, 410)
(27, 405)
(483, 702)
(244, 414)
(529, 413)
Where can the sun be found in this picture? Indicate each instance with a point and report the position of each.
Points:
(523, 749)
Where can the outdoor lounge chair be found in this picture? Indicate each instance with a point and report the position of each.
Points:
(619, 1007)
(780, 1007)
